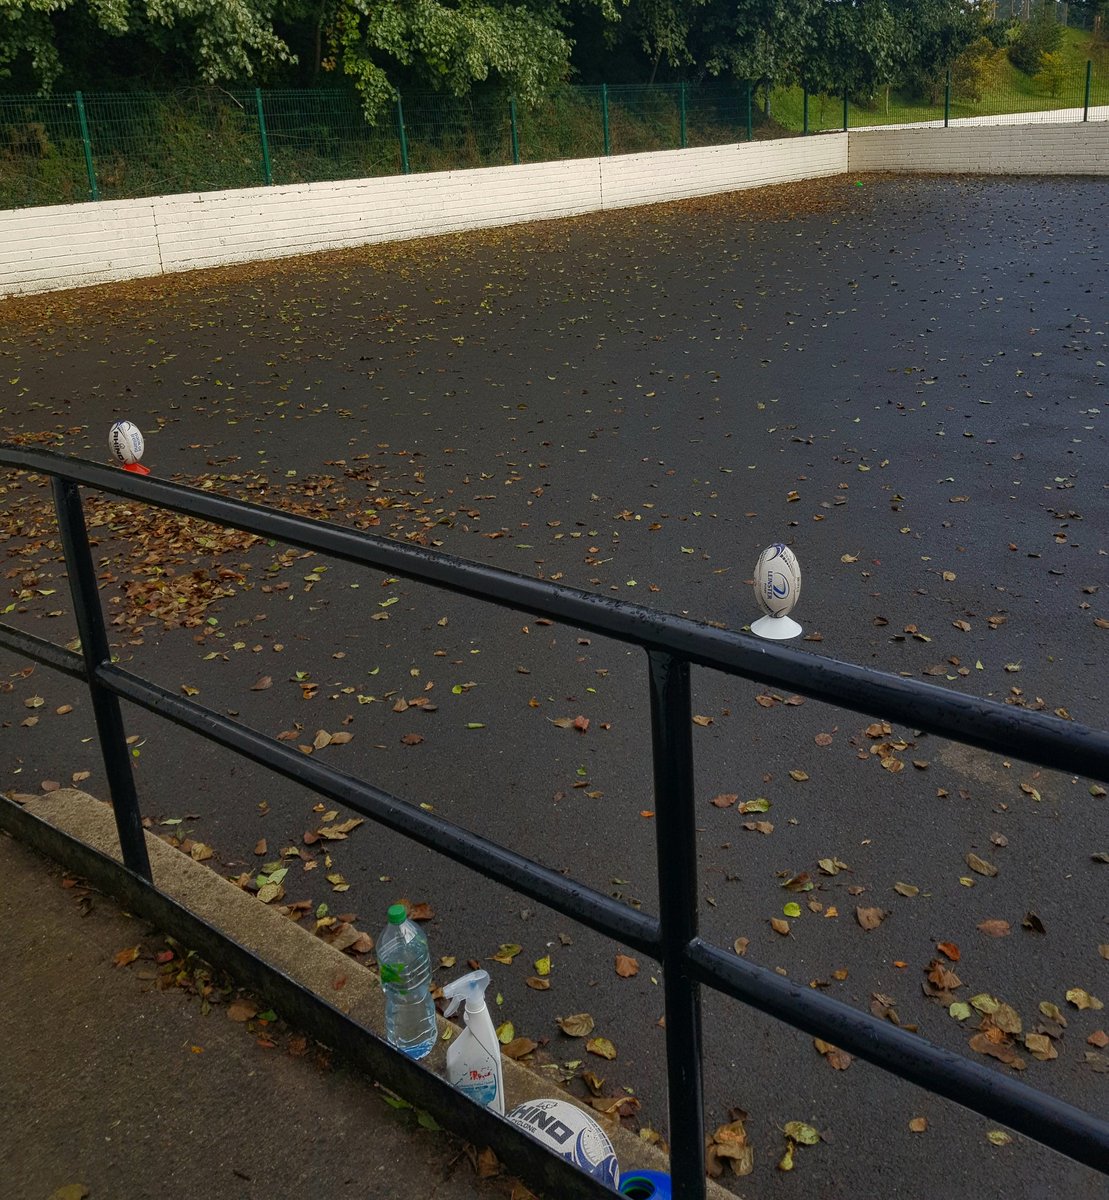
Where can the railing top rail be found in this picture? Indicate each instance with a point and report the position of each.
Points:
(1033, 737)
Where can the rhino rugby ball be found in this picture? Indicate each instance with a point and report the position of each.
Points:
(777, 580)
(125, 442)
(571, 1133)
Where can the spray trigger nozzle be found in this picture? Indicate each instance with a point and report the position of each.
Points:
(470, 988)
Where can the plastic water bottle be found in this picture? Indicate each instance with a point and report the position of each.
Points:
(405, 966)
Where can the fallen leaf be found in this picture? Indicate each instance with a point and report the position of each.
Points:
(798, 776)
(702, 721)
(804, 1134)
(1081, 998)
(949, 949)
(602, 1047)
(626, 967)
(980, 865)
(518, 1047)
(266, 681)
(779, 925)
(122, 957)
(918, 1124)
(999, 1137)
(870, 918)
(725, 800)
(906, 889)
(995, 928)
(70, 1191)
(242, 1009)
(577, 1025)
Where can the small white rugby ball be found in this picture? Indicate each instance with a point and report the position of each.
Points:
(777, 580)
(125, 442)
(571, 1133)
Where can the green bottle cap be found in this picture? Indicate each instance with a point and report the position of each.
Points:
(398, 914)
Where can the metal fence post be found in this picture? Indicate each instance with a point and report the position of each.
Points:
(947, 100)
(402, 134)
(94, 191)
(604, 117)
(804, 108)
(515, 130)
(267, 168)
(750, 118)
(1086, 101)
(681, 103)
(94, 648)
(845, 108)
(676, 849)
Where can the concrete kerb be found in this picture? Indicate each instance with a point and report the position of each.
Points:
(304, 958)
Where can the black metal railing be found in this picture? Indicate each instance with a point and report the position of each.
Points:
(672, 645)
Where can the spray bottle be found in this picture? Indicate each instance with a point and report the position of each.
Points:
(474, 1057)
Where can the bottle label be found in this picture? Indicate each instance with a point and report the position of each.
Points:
(479, 1085)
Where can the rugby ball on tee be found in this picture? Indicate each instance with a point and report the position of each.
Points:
(125, 442)
(777, 580)
(572, 1134)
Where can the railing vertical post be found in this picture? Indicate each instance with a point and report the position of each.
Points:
(804, 108)
(94, 648)
(1086, 101)
(750, 117)
(681, 102)
(515, 130)
(845, 108)
(402, 134)
(94, 190)
(947, 99)
(604, 118)
(267, 166)
(676, 841)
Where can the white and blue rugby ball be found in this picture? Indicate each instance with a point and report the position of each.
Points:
(777, 580)
(125, 442)
(572, 1134)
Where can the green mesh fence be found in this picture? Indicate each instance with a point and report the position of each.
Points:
(566, 124)
(92, 146)
(153, 145)
(448, 133)
(42, 157)
(321, 135)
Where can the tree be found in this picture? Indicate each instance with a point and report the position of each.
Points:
(1039, 36)
(976, 70)
(933, 34)
(219, 40)
(851, 44)
(1053, 74)
(446, 45)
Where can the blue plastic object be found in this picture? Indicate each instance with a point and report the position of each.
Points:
(645, 1185)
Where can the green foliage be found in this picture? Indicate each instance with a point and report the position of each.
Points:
(977, 71)
(1037, 37)
(1053, 73)
(219, 40)
(447, 46)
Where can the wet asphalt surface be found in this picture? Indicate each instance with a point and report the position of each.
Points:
(905, 380)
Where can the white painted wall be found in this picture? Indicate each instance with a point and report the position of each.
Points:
(42, 249)
(1031, 149)
(71, 245)
(75, 245)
